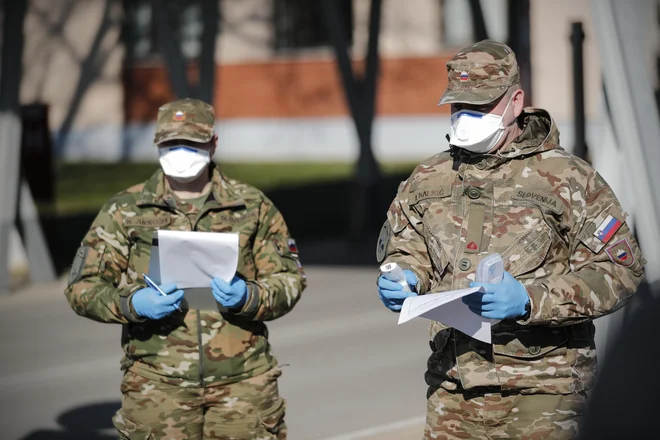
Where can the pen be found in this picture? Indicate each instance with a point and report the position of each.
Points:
(154, 286)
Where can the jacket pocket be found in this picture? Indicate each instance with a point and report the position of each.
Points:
(437, 253)
(271, 420)
(532, 358)
(441, 364)
(130, 429)
(582, 354)
(528, 252)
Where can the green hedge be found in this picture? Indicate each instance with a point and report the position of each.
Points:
(84, 187)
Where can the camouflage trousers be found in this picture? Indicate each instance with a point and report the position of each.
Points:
(466, 415)
(250, 409)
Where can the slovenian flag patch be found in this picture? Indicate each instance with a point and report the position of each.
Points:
(607, 228)
(293, 248)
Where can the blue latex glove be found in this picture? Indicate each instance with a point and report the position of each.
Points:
(149, 303)
(392, 294)
(501, 301)
(231, 295)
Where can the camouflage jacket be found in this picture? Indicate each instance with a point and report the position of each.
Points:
(191, 347)
(543, 210)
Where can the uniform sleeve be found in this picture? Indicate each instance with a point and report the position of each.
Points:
(401, 241)
(606, 266)
(93, 288)
(280, 278)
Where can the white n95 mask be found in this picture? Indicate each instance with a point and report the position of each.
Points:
(183, 163)
(475, 131)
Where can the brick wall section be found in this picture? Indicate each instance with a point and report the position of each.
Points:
(291, 89)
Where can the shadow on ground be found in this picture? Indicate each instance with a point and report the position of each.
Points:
(318, 216)
(82, 423)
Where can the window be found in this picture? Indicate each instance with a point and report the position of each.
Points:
(299, 24)
(141, 38)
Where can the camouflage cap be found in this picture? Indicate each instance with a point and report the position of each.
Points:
(185, 119)
(480, 73)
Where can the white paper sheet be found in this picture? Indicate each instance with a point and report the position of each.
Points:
(154, 261)
(447, 308)
(193, 259)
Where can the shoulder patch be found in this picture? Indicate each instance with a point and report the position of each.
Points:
(383, 241)
(607, 228)
(621, 253)
(293, 247)
(293, 251)
(599, 231)
(300, 268)
(78, 264)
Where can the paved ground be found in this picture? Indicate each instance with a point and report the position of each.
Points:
(352, 372)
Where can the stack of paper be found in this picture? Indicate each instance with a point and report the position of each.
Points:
(192, 259)
(449, 309)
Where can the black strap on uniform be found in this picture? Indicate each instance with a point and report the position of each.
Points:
(455, 153)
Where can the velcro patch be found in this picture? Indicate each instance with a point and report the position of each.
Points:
(621, 253)
(607, 228)
(596, 233)
(78, 264)
(147, 222)
(548, 201)
(383, 241)
(429, 192)
(300, 268)
(293, 248)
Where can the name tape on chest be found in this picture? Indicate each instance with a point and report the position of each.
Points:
(147, 221)
(548, 201)
(430, 192)
(237, 217)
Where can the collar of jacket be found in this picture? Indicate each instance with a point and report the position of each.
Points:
(157, 191)
(539, 133)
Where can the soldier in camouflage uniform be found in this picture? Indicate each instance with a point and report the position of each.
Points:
(191, 372)
(506, 186)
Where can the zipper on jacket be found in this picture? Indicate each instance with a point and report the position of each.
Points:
(201, 349)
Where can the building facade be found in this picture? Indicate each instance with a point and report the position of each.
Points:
(278, 95)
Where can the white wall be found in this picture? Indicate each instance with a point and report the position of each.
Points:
(552, 87)
(395, 138)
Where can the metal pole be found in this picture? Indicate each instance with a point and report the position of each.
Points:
(10, 128)
(577, 38)
(360, 93)
(211, 20)
(479, 30)
(370, 171)
(336, 32)
(519, 41)
(170, 49)
(36, 248)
